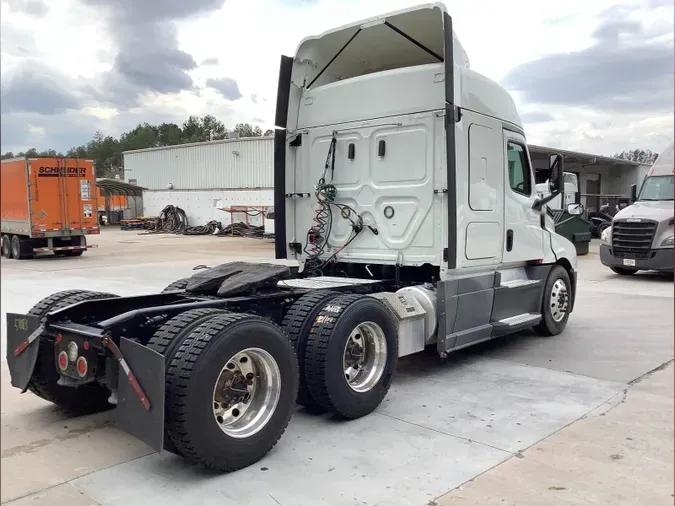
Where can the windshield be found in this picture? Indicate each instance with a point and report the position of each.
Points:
(657, 188)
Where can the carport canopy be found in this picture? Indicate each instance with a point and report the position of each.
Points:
(116, 187)
(575, 160)
(132, 194)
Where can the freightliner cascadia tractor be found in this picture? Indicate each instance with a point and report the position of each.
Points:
(641, 235)
(406, 207)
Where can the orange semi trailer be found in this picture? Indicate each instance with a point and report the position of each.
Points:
(48, 204)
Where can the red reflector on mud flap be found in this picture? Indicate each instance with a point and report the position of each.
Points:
(108, 343)
(26, 342)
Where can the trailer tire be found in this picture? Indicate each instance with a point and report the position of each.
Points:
(222, 344)
(6, 246)
(86, 399)
(179, 284)
(350, 321)
(555, 303)
(73, 253)
(169, 337)
(21, 249)
(297, 324)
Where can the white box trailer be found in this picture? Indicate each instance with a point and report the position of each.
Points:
(405, 197)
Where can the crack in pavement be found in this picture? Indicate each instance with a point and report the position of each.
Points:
(649, 373)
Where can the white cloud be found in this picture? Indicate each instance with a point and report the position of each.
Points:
(244, 39)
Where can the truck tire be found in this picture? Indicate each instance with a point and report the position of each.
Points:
(351, 354)
(623, 271)
(179, 284)
(21, 249)
(297, 323)
(86, 399)
(555, 303)
(171, 334)
(231, 390)
(73, 253)
(6, 246)
(603, 226)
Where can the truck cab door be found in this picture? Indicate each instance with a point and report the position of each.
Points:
(524, 235)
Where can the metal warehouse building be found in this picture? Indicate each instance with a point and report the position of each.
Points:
(204, 177)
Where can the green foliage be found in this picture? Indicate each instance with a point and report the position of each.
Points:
(638, 155)
(246, 130)
(106, 151)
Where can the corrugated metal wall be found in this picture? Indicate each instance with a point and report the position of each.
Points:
(202, 206)
(229, 164)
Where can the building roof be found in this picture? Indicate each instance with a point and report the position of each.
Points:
(581, 158)
(203, 143)
(119, 187)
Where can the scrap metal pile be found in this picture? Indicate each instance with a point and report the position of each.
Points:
(174, 220)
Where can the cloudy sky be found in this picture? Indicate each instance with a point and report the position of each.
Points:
(590, 75)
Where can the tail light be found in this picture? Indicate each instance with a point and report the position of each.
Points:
(82, 367)
(63, 361)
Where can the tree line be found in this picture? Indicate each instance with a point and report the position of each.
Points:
(638, 155)
(106, 150)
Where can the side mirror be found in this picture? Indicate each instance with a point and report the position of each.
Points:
(575, 209)
(633, 193)
(555, 174)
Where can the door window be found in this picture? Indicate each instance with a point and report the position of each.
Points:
(519, 169)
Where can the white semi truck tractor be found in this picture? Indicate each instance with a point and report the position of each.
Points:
(641, 235)
(405, 198)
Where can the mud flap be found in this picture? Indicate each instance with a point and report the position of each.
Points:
(147, 367)
(23, 344)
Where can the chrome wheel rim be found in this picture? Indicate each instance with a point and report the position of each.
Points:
(246, 393)
(559, 300)
(364, 357)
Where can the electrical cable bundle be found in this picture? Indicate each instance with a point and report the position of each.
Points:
(240, 229)
(209, 229)
(172, 220)
(318, 234)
